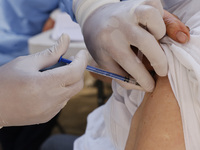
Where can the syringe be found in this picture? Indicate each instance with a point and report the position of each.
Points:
(104, 73)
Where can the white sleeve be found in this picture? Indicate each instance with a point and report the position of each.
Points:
(184, 77)
(83, 8)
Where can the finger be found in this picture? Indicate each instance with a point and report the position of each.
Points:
(151, 19)
(126, 58)
(114, 67)
(130, 86)
(73, 89)
(72, 73)
(51, 56)
(175, 28)
(149, 46)
(64, 93)
(137, 70)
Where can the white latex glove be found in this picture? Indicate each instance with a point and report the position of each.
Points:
(110, 27)
(28, 96)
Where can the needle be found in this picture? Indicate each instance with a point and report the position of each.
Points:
(104, 73)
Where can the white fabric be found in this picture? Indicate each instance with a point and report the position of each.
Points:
(110, 123)
(184, 72)
(170, 3)
(114, 117)
(184, 76)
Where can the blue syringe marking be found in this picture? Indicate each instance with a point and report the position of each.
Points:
(104, 73)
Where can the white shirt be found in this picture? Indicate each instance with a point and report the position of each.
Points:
(170, 3)
(108, 126)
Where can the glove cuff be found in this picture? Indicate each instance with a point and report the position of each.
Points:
(83, 8)
(55, 13)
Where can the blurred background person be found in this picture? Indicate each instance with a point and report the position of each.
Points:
(20, 20)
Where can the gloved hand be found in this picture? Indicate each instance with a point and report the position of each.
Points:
(110, 27)
(28, 96)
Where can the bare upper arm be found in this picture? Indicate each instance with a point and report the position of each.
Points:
(157, 123)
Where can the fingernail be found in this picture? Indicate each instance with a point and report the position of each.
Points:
(181, 37)
(188, 28)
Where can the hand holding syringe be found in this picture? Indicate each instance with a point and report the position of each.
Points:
(104, 73)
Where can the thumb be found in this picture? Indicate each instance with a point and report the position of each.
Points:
(175, 28)
(72, 73)
(51, 56)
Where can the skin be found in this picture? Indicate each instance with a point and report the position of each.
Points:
(173, 26)
(49, 24)
(157, 123)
